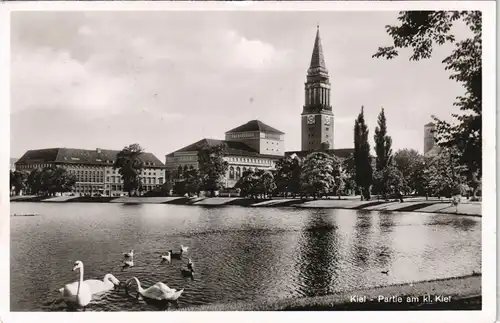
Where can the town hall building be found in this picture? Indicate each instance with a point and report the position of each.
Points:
(256, 145)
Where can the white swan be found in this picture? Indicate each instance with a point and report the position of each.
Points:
(98, 286)
(184, 249)
(158, 291)
(167, 257)
(77, 294)
(129, 254)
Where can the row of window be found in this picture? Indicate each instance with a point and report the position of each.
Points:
(244, 135)
(248, 160)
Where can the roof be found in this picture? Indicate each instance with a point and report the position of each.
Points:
(255, 125)
(341, 153)
(81, 156)
(232, 148)
(317, 58)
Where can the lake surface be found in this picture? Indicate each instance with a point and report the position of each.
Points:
(238, 253)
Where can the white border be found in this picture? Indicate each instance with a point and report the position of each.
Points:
(489, 189)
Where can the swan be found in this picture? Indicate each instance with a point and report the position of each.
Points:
(158, 291)
(77, 294)
(189, 270)
(184, 249)
(167, 257)
(98, 286)
(129, 254)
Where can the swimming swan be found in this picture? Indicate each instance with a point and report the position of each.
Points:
(129, 254)
(158, 291)
(77, 294)
(184, 249)
(98, 286)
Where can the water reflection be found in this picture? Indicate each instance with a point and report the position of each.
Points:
(318, 254)
(238, 253)
(361, 238)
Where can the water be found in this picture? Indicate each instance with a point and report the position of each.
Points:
(238, 253)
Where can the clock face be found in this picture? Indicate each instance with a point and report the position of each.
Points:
(310, 119)
(327, 120)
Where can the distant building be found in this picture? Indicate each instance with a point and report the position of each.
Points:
(92, 168)
(13, 163)
(430, 146)
(253, 145)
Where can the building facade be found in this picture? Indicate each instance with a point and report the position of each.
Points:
(317, 116)
(253, 145)
(93, 168)
(430, 146)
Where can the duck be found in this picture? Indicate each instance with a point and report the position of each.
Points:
(166, 257)
(189, 270)
(128, 263)
(158, 291)
(175, 255)
(77, 294)
(129, 254)
(385, 272)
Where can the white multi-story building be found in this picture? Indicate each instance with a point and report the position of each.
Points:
(93, 168)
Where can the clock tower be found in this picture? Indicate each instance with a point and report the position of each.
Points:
(317, 115)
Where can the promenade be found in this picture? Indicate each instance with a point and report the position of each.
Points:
(409, 205)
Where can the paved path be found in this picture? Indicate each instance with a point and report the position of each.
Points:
(145, 200)
(415, 205)
(60, 198)
(216, 201)
(273, 202)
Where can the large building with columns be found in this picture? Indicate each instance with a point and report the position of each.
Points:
(253, 145)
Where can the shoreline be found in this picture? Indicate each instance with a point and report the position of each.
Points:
(419, 205)
(455, 293)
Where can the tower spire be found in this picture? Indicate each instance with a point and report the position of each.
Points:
(317, 59)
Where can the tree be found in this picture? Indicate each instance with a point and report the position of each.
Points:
(383, 143)
(246, 183)
(388, 180)
(192, 181)
(317, 174)
(50, 180)
(130, 166)
(34, 181)
(362, 162)
(411, 164)
(445, 175)
(266, 183)
(349, 169)
(18, 181)
(420, 30)
(212, 167)
(288, 175)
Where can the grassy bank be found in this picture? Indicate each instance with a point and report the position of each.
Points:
(457, 293)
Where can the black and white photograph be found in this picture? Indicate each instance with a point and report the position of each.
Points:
(252, 159)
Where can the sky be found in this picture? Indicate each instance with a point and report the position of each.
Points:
(167, 79)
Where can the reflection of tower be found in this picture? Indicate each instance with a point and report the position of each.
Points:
(317, 115)
(429, 139)
(319, 251)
